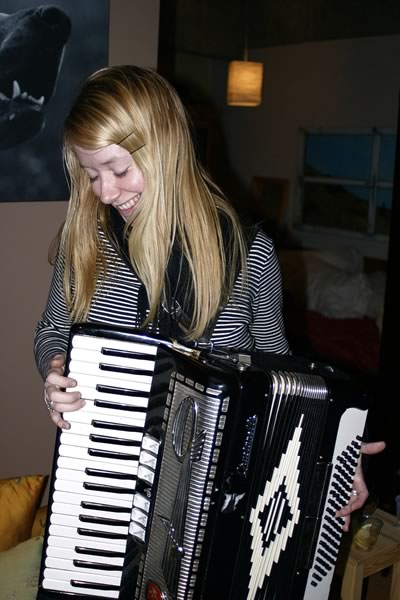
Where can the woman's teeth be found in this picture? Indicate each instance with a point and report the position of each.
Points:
(130, 204)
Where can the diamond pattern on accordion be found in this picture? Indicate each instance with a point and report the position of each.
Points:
(276, 514)
(339, 494)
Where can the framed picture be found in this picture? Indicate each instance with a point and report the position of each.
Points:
(46, 52)
(269, 198)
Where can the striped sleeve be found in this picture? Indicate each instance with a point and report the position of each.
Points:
(52, 332)
(267, 327)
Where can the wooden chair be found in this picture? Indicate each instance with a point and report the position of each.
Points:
(358, 564)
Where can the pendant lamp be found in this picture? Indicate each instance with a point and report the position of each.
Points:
(245, 79)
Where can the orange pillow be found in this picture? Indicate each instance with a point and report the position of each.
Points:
(39, 523)
(19, 500)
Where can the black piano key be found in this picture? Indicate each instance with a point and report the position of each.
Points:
(106, 439)
(86, 564)
(116, 426)
(110, 389)
(97, 487)
(102, 534)
(125, 370)
(110, 454)
(105, 507)
(91, 585)
(119, 406)
(126, 354)
(103, 521)
(110, 474)
(98, 552)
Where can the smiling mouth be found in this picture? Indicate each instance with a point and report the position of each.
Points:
(129, 204)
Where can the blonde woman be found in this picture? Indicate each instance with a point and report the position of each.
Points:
(149, 241)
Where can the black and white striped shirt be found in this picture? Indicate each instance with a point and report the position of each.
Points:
(251, 320)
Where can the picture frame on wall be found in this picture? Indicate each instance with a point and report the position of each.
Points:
(48, 51)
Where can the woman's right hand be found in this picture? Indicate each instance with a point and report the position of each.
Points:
(58, 401)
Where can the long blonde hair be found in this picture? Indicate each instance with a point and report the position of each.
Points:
(139, 110)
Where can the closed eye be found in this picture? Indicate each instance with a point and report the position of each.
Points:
(123, 174)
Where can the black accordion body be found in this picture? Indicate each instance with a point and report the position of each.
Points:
(191, 475)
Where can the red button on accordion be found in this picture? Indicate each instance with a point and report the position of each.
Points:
(195, 475)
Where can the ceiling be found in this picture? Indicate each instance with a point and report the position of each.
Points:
(220, 28)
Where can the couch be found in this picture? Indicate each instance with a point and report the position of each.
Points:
(22, 524)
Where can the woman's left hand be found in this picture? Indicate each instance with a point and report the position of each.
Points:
(359, 486)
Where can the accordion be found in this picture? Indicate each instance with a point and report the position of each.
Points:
(198, 475)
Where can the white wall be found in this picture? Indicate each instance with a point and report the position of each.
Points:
(26, 229)
(339, 84)
(352, 83)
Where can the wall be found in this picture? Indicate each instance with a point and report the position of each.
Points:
(339, 84)
(26, 229)
(349, 83)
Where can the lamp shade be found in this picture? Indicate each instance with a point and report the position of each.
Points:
(244, 83)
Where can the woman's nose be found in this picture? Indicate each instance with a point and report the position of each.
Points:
(109, 192)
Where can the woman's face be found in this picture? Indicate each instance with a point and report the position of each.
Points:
(115, 178)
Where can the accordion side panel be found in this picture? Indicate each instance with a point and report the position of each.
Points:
(344, 462)
(274, 515)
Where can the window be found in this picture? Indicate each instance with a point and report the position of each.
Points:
(346, 180)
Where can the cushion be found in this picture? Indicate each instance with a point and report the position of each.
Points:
(19, 570)
(39, 523)
(19, 500)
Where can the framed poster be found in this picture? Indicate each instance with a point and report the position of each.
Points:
(46, 52)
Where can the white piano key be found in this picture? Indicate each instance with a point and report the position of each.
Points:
(101, 375)
(53, 562)
(91, 381)
(139, 517)
(65, 586)
(145, 474)
(91, 393)
(75, 509)
(73, 498)
(147, 459)
(97, 343)
(81, 540)
(94, 577)
(86, 429)
(77, 464)
(72, 521)
(137, 531)
(141, 501)
(150, 444)
(125, 417)
(81, 452)
(70, 439)
(77, 488)
(96, 357)
(58, 541)
(71, 475)
(99, 412)
(69, 553)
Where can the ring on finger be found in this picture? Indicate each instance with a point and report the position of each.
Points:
(354, 493)
(49, 403)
